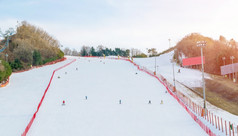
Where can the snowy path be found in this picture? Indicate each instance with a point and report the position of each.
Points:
(19, 99)
(101, 115)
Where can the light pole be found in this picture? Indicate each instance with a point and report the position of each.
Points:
(232, 57)
(224, 58)
(202, 44)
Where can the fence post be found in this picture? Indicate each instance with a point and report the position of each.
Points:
(208, 116)
(233, 129)
(229, 128)
(221, 125)
(226, 127)
(218, 122)
(212, 120)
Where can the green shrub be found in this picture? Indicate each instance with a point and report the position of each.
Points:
(49, 60)
(36, 58)
(60, 54)
(142, 55)
(16, 64)
(6, 71)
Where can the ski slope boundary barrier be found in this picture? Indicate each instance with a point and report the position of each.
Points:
(168, 86)
(5, 83)
(201, 124)
(39, 105)
(213, 125)
(210, 123)
(49, 63)
(46, 64)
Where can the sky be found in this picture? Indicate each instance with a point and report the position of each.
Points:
(126, 24)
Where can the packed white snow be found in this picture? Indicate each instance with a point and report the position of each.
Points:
(186, 76)
(189, 77)
(20, 98)
(105, 83)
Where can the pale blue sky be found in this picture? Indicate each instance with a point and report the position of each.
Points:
(124, 23)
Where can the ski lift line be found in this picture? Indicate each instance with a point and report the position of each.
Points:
(6, 44)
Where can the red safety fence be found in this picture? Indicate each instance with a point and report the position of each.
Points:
(5, 83)
(39, 105)
(49, 63)
(46, 64)
(207, 121)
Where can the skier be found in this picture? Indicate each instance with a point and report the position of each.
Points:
(149, 102)
(161, 102)
(86, 97)
(63, 103)
(119, 101)
(76, 68)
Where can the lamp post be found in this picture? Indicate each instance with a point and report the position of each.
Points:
(224, 58)
(232, 57)
(202, 44)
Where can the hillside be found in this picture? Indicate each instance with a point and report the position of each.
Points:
(30, 46)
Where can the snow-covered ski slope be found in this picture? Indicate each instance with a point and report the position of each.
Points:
(101, 114)
(19, 99)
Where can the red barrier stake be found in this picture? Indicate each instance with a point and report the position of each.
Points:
(225, 127)
(212, 120)
(229, 128)
(196, 109)
(221, 125)
(208, 116)
(218, 123)
(233, 130)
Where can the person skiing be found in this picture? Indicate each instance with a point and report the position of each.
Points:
(63, 103)
(119, 101)
(149, 102)
(86, 97)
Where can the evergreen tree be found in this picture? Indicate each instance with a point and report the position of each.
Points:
(36, 58)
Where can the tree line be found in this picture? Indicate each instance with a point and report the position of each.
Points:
(101, 50)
